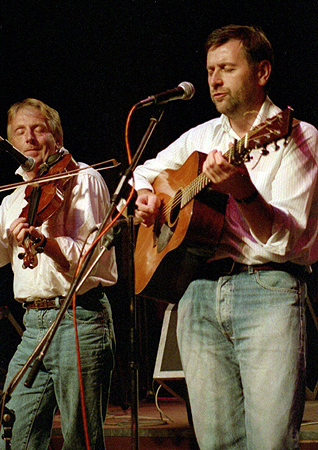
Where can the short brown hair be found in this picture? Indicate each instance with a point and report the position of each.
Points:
(256, 46)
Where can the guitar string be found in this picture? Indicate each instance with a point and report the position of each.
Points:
(201, 181)
(194, 187)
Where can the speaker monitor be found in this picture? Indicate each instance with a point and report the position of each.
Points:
(168, 368)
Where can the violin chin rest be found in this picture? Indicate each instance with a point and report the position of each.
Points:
(53, 159)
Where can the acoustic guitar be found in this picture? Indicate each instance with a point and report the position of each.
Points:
(191, 215)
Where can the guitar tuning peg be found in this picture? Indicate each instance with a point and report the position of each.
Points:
(265, 152)
(277, 147)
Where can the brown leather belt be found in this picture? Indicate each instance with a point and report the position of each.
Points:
(228, 266)
(89, 300)
(45, 303)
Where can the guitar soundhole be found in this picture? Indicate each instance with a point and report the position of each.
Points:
(175, 209)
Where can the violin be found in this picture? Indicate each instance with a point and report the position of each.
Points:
(43, 200)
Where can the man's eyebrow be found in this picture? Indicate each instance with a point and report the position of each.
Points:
(19, 126)
(222, 64)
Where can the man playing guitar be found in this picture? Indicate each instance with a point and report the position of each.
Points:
(241, 320)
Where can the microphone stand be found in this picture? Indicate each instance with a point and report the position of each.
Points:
(134, 361)
(38, 354)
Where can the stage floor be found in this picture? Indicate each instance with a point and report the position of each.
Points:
(309, 428)
(166, 425)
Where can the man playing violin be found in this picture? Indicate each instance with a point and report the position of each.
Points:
(241, 329)
(35, 129)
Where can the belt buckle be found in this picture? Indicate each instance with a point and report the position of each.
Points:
(43, 303)
(39, 302)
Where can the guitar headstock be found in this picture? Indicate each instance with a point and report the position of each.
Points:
(278, 127)
(272, 130)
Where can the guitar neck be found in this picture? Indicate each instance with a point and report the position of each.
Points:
(193, 188)
(278, 127)
(235, 155)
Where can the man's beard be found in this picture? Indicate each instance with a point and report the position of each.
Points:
(229, 107)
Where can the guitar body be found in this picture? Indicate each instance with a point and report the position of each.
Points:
(163, 265)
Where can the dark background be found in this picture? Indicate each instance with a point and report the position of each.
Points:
(93, 60)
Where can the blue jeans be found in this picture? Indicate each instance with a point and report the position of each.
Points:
(242, 346)
(57, 385)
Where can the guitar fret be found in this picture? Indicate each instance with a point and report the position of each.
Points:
(246, 137)
(193, 188)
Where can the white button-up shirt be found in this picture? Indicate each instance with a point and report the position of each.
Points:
(86, 199)
(286, 178)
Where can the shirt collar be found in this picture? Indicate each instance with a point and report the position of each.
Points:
(22, 172)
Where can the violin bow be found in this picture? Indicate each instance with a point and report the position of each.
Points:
(46, 178)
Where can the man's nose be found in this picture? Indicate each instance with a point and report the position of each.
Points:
(30, 137)
(215, 79)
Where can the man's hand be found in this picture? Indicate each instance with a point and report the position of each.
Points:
(20, 228)
(147, 206)
(227, 178)
(236, 181)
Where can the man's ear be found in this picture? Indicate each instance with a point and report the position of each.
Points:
(58, 144)
(264, 71)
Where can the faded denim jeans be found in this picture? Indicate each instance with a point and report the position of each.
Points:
(57, 385)
(242, 346)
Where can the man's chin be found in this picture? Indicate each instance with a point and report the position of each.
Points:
(220, 107)
(224, 107)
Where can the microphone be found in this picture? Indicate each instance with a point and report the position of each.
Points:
(26, 162)
(184, 91)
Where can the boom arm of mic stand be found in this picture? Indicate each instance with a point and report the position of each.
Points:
(9, 417)
(118, 194)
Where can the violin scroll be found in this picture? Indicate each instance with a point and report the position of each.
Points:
(30, 259)
(32, 248)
